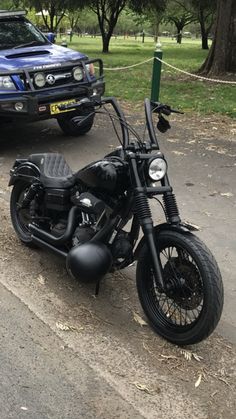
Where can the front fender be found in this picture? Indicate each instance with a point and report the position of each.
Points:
(24, 170)
(181, 228)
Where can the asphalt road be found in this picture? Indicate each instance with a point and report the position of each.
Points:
(41, 378)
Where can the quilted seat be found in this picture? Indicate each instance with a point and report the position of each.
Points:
(54, 170)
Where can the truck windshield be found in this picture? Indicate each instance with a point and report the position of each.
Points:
(19, 33)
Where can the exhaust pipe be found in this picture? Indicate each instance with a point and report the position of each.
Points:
(48, 246)
(57, 241)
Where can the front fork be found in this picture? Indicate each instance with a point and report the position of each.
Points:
(143, 212)
(145, 219)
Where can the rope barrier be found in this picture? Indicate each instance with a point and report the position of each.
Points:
(195, 75)
(174, 68)
(125, 68)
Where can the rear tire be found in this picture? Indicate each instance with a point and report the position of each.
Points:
(20, 218)
(191, 306)
(69, 127)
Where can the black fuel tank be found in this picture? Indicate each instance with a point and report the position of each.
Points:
(110, 175)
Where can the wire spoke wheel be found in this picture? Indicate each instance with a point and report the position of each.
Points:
(21, 217)
(190, 306)
(24, 217)
(182, 302)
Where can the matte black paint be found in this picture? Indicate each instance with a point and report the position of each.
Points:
(108, 175)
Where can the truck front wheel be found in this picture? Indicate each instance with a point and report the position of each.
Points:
(76, 124)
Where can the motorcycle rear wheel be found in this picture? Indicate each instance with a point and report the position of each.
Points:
(191, 306)
(20, 217)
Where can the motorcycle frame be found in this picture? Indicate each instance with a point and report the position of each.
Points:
(137, 197)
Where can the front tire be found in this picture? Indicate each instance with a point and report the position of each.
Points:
(20, 217)
(191, 306)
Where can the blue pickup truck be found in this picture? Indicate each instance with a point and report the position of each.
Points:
(38, 77)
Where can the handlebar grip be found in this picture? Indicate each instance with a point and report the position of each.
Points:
(162, 108)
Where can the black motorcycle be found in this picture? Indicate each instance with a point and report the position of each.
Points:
(93, 217)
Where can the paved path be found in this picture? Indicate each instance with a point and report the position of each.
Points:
(41, 378)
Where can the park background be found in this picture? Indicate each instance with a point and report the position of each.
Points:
(197, 36)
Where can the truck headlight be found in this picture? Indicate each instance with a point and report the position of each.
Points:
(78, 74)
(6, 83)
(39, 79)
(157, 168)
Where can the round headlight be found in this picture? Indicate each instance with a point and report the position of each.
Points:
(7, 83)
(157, 169)
(40, 79)
(19, 106)
(78, 74)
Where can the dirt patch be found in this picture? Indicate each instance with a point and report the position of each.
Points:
(213, 126)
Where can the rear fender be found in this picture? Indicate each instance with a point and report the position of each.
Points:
(24, 170)
(181, 228)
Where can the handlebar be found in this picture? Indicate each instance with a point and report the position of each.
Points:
(150, 107)
(83, 102)
(150, 127)
(98, 101)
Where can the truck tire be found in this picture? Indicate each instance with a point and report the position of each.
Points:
(71, 123)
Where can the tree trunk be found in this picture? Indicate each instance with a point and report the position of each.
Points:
(156, 30)
(105, 43)
(51, 16)
(179, 34)
(179, 38)
(205, 41)
(222, 55)
(204, 32)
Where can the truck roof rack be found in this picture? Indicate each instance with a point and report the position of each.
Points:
(12, 13)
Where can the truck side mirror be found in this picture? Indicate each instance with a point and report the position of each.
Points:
(51, 37)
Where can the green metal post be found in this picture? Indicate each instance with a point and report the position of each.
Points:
(156, 74)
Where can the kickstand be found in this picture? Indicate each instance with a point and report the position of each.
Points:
(97, 288)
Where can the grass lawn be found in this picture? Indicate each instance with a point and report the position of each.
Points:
(177, 89)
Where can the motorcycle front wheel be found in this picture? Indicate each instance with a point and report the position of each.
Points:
(190, 306)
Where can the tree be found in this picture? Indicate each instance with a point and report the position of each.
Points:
(205, 10)
(222, 54)
(108, 12)
(151, 12)
(73, 14)
(54, 10)
(126, 24)
(180, 14)
(10, 4)
(88, 22)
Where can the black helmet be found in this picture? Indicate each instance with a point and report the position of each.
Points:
(89, 261)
